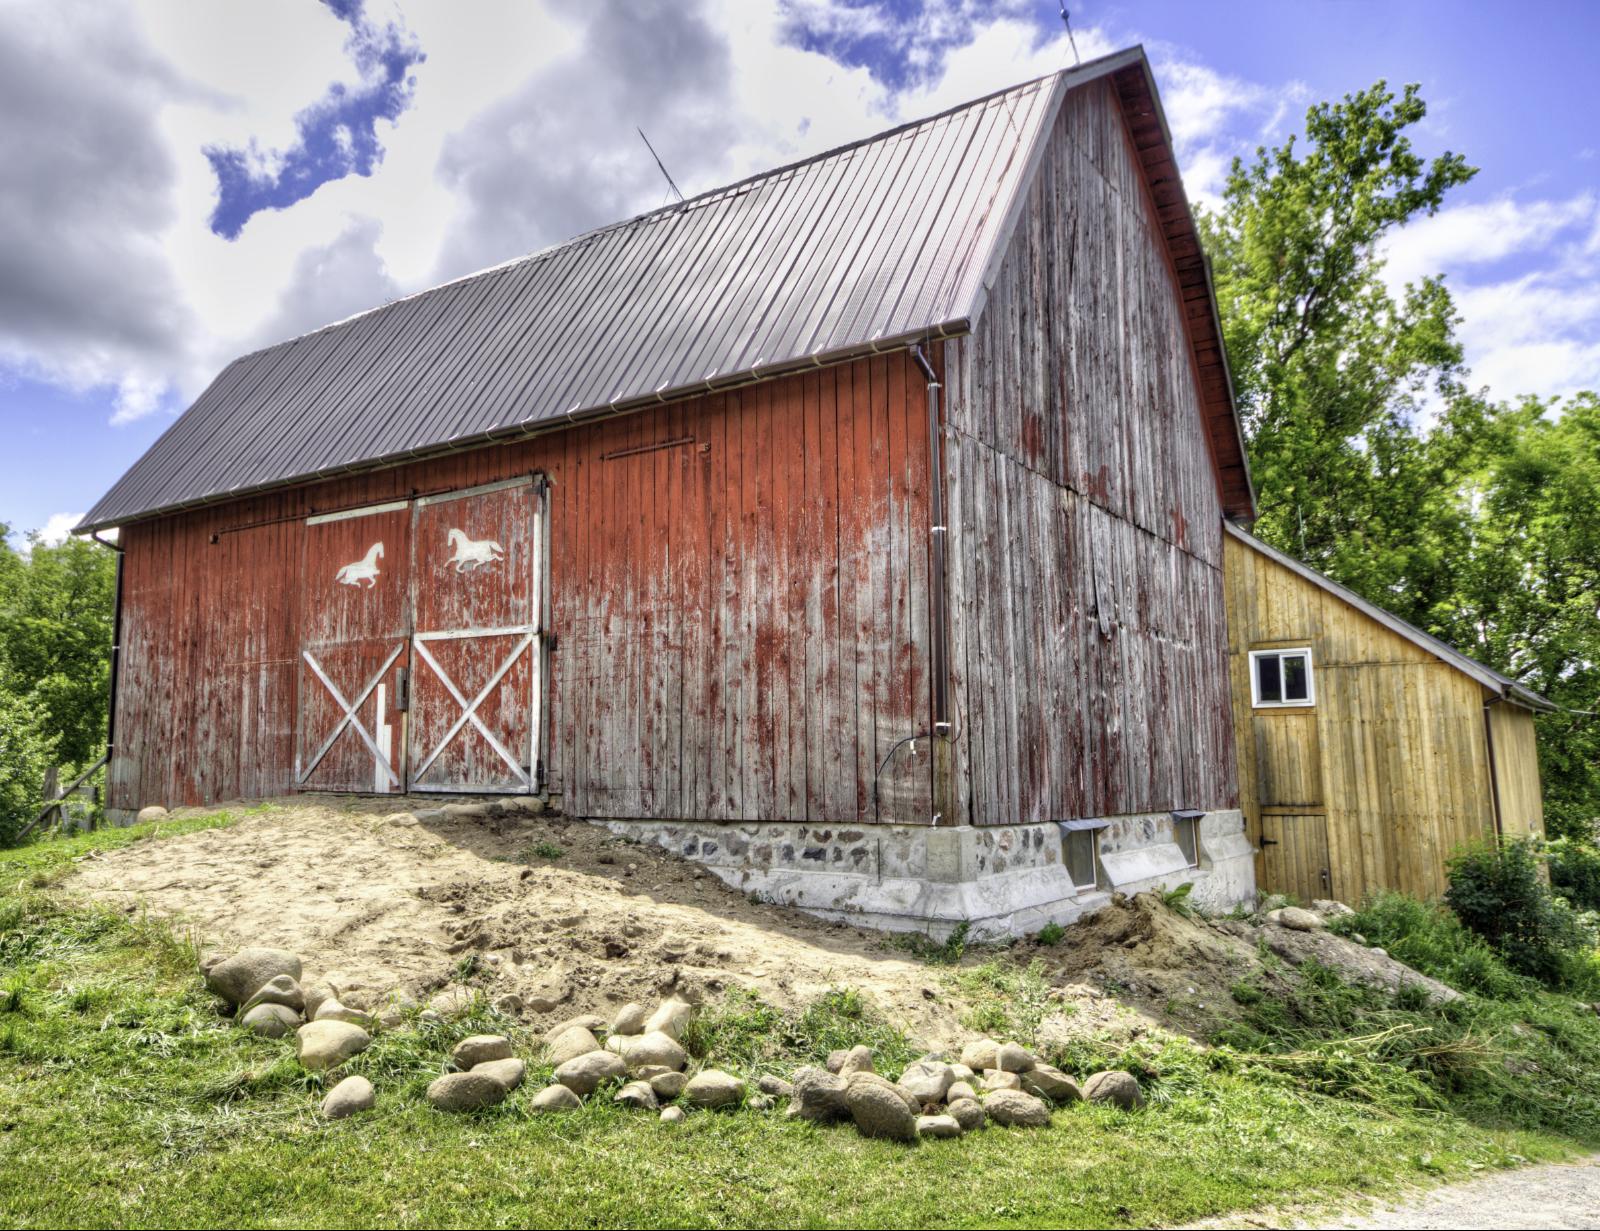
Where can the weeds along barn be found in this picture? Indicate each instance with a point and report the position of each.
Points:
(855, 529)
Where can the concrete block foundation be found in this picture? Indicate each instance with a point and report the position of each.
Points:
(1005, 880)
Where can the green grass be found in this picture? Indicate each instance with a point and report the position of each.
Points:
(125, 1098)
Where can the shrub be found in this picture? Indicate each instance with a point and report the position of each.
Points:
(26, 753)
(1497, 892)
(1575, 872)
(1431, 940)
(1051, 934)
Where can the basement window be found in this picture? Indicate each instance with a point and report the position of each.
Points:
(1186, 833)
(1281, 678)
(1080, 846)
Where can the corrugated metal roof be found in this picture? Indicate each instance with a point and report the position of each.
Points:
(1483, 673)
(868, 245)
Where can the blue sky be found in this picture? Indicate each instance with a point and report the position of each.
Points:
(188, 180)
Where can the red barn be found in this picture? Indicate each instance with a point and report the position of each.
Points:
(856, 529)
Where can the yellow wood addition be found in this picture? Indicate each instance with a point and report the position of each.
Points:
(1376, 783)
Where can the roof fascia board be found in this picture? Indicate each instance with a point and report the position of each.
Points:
(514, 432)
(1489, 678)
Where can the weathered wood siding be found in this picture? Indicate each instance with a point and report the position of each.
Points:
(741, 613)
(1516, 760)
(1397, 735)
(1088, 636)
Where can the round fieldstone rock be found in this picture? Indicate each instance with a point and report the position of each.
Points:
(1299, 920)
(775, 1086)
(672, 1018)
(327, 1045)
(995, 1079)
(351, 1095)
(1015, 1109)
(570, 1044)
(636, 1094)
(452, 1002)
(1014, 1058)
(583, 1074)
(466, 1092)
(656, 1048)
(588, 1021)
(818, 1095)
(912, 1102)
(239, 977)
(856, 1060)
(836, 1058)
(880, 1112)
(713, 1088)
(314, 997)
(155, 812)
(980, 1055)
(1051, 1083)
(281, 990)
(270, 1021)
(962, 1072)
(967, 1112)
(480, 1049)
(672, 1115)
(929, 1080)
(555, 1098)
(667, 1086)
(1116, 1087)
(508, 1072)
(333, 1011)
(938, 1126)
(959, 1090)
(630, 1020)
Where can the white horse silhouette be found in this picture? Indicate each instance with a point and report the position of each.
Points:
(364, 569)
(473, 551)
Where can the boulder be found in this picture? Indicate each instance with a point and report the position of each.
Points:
(818, 1095)
(619, 1042)
(938, 1126)
(570, 1044)
(327, 1045)
(333, 1011)
(1015, 1109)
(929, 1080)
(656, 1048)
(480, 1049)
(672, 1115)
(995, 1079)
(713, 1088)
(239, 977)
(981, 1054)
(880, 1112)
(1116, 1087)
(912, 1102)
(541, 1004)
(960, 1089)
(389, 1019)
(962, 1072)
(667, 1086)
(966, 1112)
(147, 816)
(589, 1021)
(452, 1001)
(856, 1060)
(1014, 1058)
(510, 1004)
(636, 1094)
(583, 1074)
(555, 1098)
(630, 1020)
(836, 1059)
(1297, 919)
(270, 1021)
(351, 1095)
(315, 997)
(281, 990)
(672, 1018)
(508, 1072)
(1051, 1083)
(466, 1092)
(775, 1086)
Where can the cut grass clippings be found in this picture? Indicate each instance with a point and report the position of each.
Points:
(125, 1098)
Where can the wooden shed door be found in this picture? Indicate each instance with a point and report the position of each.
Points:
(480, 582)
(354, 620)
(1295, 851)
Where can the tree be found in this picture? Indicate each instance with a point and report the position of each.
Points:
(1329, 368)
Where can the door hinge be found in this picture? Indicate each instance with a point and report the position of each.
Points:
(550, 642)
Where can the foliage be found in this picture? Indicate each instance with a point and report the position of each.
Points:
(1427, 937)
(1497, 891)
(27, 750)
(745, 1033)
(1575, 872)
(1007, 1000)
(1178, 899)
(947, 952)
(1051, 934)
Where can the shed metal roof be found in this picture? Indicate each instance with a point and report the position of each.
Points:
(860, 249)
(1485, 675)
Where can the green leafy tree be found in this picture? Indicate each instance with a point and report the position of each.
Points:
(27, 750)
(1328, 366)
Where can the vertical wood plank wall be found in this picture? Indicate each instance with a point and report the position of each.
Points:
(742, 617)
(1516, 758)
(1398, 732)
(1088, 639)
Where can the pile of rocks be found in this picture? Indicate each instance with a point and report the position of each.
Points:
(488, 1073)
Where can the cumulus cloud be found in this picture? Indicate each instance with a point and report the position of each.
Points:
(330, 282)
(87, 295)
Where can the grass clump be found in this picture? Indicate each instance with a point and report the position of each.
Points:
(947, 952)
(1005, 999)
(1051, 934)
(547, 850)
(744, 1033)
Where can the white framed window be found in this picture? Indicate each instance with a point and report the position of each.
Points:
(1281, 678)
(1080, 848)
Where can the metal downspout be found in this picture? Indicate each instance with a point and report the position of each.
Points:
(938, 631)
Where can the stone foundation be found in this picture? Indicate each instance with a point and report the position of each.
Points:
(1003, 879)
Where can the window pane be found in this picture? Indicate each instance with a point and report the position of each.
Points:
(1294, 677)
(1080, 858)
(1183, 829)
(1267, 674)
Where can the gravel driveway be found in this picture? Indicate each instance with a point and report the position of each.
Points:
(1551, 1195)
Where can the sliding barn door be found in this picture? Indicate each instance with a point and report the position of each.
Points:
(355, 621)
(481, 563)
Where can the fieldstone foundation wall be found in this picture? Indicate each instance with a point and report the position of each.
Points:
(1004, 879)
